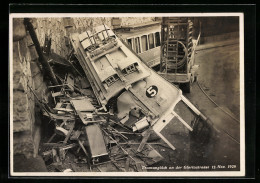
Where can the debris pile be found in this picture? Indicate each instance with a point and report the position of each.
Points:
(87, 135)
(87, 132)
(107, 105)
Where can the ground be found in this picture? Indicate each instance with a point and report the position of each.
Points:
(219, 77)
(219, 73)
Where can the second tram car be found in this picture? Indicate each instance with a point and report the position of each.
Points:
(145, 40)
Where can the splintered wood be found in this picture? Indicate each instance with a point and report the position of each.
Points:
(95, 139)
(86, 138)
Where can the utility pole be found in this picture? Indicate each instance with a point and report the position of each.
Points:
(42, 59)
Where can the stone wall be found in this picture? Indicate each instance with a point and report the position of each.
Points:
(55, 28)
(26, 76)
(218, 25)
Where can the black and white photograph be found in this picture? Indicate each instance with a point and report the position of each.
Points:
(151, 94)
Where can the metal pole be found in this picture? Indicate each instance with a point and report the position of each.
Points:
(42, 59)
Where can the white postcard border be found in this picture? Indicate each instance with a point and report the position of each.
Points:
(131, 174)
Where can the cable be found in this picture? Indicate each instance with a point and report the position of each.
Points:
(180, 63)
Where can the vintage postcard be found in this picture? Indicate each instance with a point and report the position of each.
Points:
(114, 94)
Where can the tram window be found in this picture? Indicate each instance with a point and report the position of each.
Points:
(144, 43)
(157, 39)
(129, 42)
(151, 41)
(137, 45)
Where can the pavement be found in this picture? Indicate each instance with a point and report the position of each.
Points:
(217, 44)
(219, 73)
(219, 77)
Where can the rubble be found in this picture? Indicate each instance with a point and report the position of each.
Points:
(102, 124)
(93, 137)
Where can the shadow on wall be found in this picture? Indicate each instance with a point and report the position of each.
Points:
(211, 26)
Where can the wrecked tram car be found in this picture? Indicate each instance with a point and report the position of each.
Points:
(140, 98)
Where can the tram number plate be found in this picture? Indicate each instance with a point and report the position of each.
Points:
(151, 91)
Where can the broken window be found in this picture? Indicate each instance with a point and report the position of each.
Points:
(144, 43)
(130, 69)
(87, 40)
(112, 79)
(151, 41)
(157, 39)
(104, 32)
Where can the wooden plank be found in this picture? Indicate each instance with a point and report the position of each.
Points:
(83, 148)
(69, 133)
(144, 140)
(96, 140)
(82, 105)
(127, 164)
(182, 121)
(165, 140)
(63, 117)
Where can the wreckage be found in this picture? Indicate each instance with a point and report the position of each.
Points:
(121, 90)
(121, 80)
